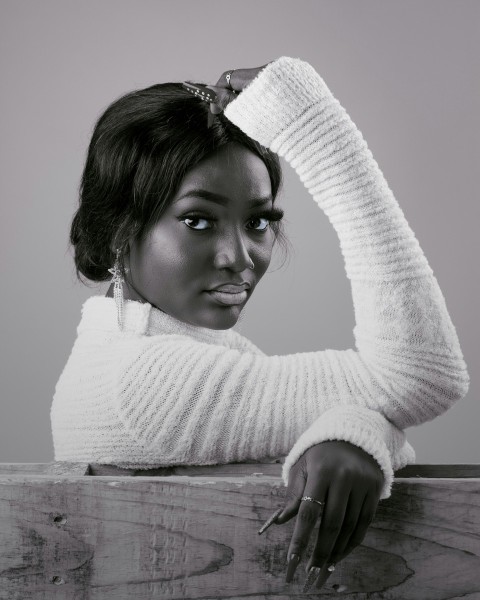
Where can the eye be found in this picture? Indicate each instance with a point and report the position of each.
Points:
(192, 222)
(263, 226)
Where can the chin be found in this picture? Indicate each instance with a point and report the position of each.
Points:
(224, 318)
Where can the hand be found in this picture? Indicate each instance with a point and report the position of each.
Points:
(240, 78)
(349, 481)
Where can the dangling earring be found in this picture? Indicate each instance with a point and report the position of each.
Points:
(252, 266)
(118, 280)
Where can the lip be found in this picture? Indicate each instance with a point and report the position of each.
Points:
(229, 298)
(231, 288)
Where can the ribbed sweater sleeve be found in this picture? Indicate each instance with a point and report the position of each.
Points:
(198, 403)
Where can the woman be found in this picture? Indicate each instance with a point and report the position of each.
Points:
(182, 205)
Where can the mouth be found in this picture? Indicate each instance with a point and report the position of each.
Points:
(228, 298)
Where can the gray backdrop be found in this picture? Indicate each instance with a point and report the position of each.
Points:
(408, 75)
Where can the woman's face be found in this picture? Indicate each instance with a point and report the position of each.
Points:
(208, 238)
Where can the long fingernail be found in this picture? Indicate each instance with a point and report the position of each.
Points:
(269, 521)
(292, 565)
(312, 575)
(324, 575)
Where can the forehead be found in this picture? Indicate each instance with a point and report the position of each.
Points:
(233, 171)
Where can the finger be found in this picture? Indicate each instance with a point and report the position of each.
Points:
(331, 523)
(366, 516)
(307, 516)
(352, 517)
(297, 480)
(270, 521)
(224, 97)
(296, 484)
(239, 79)
(323, 576)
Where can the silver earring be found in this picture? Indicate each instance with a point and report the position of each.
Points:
(118, 280)
(252, 266)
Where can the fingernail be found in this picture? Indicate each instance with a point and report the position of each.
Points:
(324, 575)
(269, 521)
(312, 575)
(292, 565)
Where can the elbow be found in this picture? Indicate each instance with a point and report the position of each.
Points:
(451, 385)
(450, 394)
(459, 388)
(414, 393)
(461, 384)
(421, 400)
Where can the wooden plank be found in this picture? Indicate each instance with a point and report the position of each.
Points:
(53, 468)
(114, 538)
(268, 466)
(11, 468)
(83, 468)
(58, 469)
(443, 471)
(273, 469)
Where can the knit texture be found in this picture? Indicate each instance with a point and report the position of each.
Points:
(163, 392)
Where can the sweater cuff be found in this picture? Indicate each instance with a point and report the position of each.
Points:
(364, 428)
(276, 97)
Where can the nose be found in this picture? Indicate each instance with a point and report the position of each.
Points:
(232, 253)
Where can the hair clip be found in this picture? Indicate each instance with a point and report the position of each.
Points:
(201, 91)
(205, 94)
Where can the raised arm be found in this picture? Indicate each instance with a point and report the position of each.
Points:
(407, 367)
(403, 333)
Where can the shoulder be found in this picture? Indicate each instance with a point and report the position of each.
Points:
(174, 355)
(178, 345)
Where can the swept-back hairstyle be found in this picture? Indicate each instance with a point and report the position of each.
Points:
(141, 148)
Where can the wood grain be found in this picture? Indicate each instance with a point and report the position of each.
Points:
(115, 537)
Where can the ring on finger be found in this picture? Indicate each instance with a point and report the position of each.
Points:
(228, 75)
(310, 499)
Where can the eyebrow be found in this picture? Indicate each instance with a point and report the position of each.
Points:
(220, 199)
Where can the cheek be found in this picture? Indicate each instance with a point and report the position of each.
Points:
(262, 256)
(170, 256)
(152, 258)
(161, 248)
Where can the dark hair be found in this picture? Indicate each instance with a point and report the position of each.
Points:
(141, 148)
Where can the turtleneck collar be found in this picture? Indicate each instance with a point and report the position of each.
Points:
(100, 312)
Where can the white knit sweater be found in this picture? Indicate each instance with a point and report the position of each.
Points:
(163, 392)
